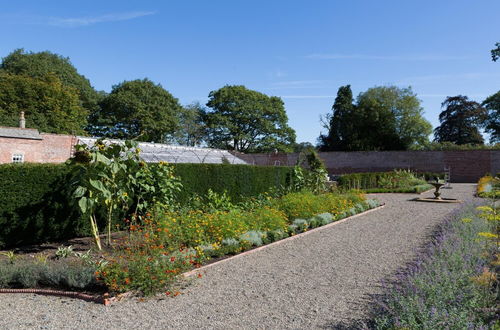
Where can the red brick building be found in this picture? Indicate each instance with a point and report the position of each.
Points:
(19, 145)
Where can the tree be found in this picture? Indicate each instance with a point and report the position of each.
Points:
(460, 121)
(137, 109)
(38, 65)
(495, 53)
(394, 118)
(245, 120)
(192, 129)
(49, 106)
(492, 123)
(340, 124)
(383, 118)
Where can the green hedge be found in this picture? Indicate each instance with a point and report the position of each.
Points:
(239, 181)
(36, 204)
(370, 180)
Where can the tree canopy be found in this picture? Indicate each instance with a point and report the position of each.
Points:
(49, 105)
(137, 109)
(495, 52)
(340, 124)
(383, 118)
(460, 121)
(191, 131)
(38, 65)
(492, 123)
(246, 120)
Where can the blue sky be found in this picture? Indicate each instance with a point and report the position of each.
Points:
(302, 51)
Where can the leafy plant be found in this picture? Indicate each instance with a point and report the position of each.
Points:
(11, 256)
(64, 251)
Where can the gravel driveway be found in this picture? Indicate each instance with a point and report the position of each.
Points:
(317, 281)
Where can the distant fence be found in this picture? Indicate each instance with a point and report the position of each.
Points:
(465, 166)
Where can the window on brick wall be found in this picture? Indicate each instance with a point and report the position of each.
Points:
(17, 158)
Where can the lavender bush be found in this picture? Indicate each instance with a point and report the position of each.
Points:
(437, 292)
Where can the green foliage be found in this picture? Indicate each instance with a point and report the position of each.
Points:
(460, 121)
(445, 289)
(36, 205)
(446, 146)
(39, 65)
(116, 179)
(64, 252)
(192, 130)
(495, 52)
(393, 117)
(306, 204)
(49, 106)
(340, 124)
(395, 181)
(236, 181)
(492, 124)
(137, 109)
(62, 274)
(245, 120)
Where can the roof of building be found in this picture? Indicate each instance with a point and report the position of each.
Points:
(20, 133)
(156, 152)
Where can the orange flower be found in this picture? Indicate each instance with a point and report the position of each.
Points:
(199, 275)
(176, 293)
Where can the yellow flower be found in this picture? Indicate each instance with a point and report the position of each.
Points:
(466, 220)
(488, 235)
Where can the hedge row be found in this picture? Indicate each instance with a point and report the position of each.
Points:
(239, 181)
(36, 202)
(35, 205)
(371, 180)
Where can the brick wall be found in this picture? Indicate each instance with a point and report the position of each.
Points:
(53, 148)
(466, 166)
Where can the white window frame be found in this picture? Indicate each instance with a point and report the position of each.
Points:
(17, 158)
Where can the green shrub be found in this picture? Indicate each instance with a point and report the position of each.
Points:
(306, 204)
(36, 205)
(394, 181)
(237, 181)
(55, 274)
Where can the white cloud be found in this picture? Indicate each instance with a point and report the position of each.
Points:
(90, 20)
(423, 57)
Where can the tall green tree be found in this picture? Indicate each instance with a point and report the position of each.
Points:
(495, 52)
(460, 121)
(246, 120)
(383, 118)
(38, 65)
(49, 106)
(395, 116)
(492, 123)
(340, 124)
(192, 130)
(137, 109)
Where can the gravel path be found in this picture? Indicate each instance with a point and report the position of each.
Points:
(317, 281)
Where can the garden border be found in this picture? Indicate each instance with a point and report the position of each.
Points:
(106, 300)
(281, 241)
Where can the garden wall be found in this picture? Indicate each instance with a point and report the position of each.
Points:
(466, 166)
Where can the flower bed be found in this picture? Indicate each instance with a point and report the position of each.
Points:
(148, 258)
(452, 285)
(488, 187)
